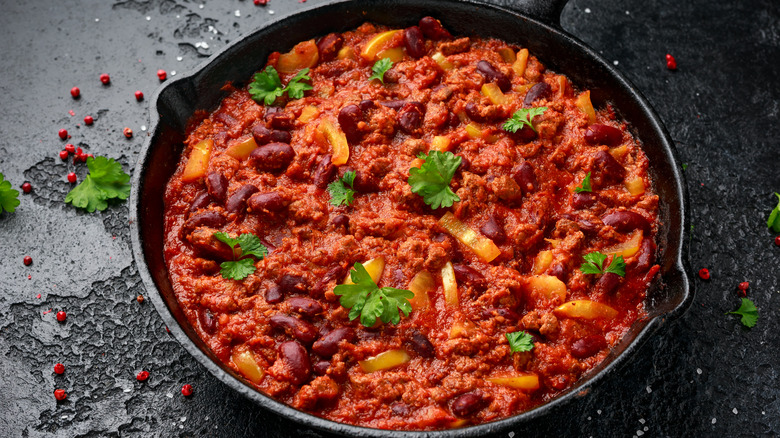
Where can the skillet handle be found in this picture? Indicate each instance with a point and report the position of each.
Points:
(546, 11)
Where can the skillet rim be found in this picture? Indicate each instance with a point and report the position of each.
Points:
(680, 270)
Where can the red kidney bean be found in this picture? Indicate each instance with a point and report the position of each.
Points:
(363, 182)
(467, 404)
(421, 345)
(366, 105)
(321, 367)
(267, 202)
(297, 360)
(525, 134)
(625, 221)
(410, 117)
(281, 136)
(281, 120)
(492, 74)
(584, 224)
(272, 156)
(393, 104)
(225, 118)
(433, 29)
(324, 172)
(538, 91)
(237, 201)
(341, 220)
(301, 330)
(525, 177)
(493, 230)
(207, 321)
(468, 275)
(217, 185)
(558, 270)
(337, 272)
(646, 255)
(201, 201)
(329, 46)
(608, 283)
(274, 295)
(588, 346)
(210, 219)
(583, 200)
(472, 110)
(413, 40)
(603, 134)
(454, 120)
(400, 409)
(508, 314)
(261, 134)
(305, 306)
(349, 118)
(291, 284)
(608, 167)
(328, 345)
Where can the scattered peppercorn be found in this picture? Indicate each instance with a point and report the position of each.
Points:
(777, 240)
(128, 132)
(105, 79)
(139, 96)
(261, 2)
(141, 376)
(59, 368)
(63, 134)
(75, 92)
(72, 177)
(743, 287)
(60, 395)
(63, 155)
(27, 187)
(186, 390)
(140, 299)
(161, 74)
(704, 274)
(89, 120)
(62, 316)
(70, 148)
(671, 63)
(27, 260)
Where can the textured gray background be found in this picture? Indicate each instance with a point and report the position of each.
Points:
(704, 375)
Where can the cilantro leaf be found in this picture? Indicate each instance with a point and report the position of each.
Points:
(237, 270)
(250, 245)
(585, 186)
(748, 312)
(9, 198)
(106, 180)
(366, 300)
(520, 341)
(340, 194)
(594, 264)
(774, 218)
(379, 69)
(432, 179)
(267, 87)
(523, 117)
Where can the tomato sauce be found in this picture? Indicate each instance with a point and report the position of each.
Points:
(264, 169)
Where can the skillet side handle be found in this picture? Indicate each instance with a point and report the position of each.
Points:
(546, 11)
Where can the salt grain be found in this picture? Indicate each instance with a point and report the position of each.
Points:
(201, 6)
(511, 434)
(589, 418)
(169, 395)
(270, 12)
(64, 417)
(183, 419)
(237, 13)
(645, 428)
(173, 72)
(143, 127)
(628, 13)
(148, 18)
(714, 420)
(698, 370)
(598, 411)
(97, 19)
(649, 389)
(735, 411)
(179, 58)
(126, 390)
(639, 433)
(615, 62)
(642, 420)
(587, 10)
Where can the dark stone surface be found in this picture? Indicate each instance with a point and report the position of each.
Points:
(704, 375)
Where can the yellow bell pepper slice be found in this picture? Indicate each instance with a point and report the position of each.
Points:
(441, 143)
(241, 149)
(584, 104)
(542, 261)
(492, 92)
(248, 366)
(305, 54)
(198, 162)
(308, 113)
(547, 286)
(421, 284)
(521, 62)
(627, 248)
(585, 309)
(337, 140)
(440, 59)
(394, 53)
(526, 382)
(374, 267)
(382, 361)
(449, 284)
(377, 44)
(483, 247)
(635, 186)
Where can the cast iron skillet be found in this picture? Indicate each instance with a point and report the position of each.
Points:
(531, 23)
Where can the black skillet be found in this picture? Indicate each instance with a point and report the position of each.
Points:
(530, 23)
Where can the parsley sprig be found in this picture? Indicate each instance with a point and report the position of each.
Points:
(747, 310)
(523, 117)
(585, 186)
(9, 198)
(520, 341)
(594, 264)
(432, 179)
(242, 265)
(366, 300)
(340, 194)
(774, 218)
(106, 181)
(379, 69)
(267, 87)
